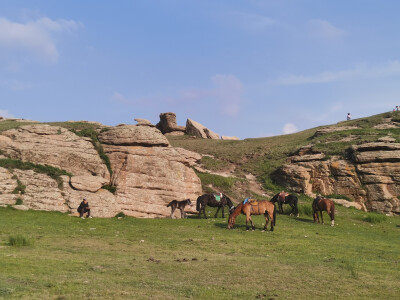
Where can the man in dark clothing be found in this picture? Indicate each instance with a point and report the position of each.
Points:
(84, 208)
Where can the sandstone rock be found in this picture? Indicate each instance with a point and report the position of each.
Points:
(191, 158)
(230, 138)
(131, 135)
(21, 207)
(148, 178)
(326, 130)
(387, 139)
(346, 203)
(196, 129)
(310, 157)
(54, 146)
(143, 122)
(88, 183)
(168, 123)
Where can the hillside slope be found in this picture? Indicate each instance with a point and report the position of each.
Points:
(328, 160)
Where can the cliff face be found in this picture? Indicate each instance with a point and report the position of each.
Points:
(369, 176)
(147, 173)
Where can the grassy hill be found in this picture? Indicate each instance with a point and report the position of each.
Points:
(262, 156)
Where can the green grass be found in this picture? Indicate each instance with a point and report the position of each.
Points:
(223, 183)
(375, 218)
(336, 196)
(198, 258)
(19, 241)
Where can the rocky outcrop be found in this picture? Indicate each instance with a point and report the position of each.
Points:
(168, 123)
(229, 138)
(196, 129)
(143, 122)
(132, 135)
(370, 177)
(147, 172)
(54, 146)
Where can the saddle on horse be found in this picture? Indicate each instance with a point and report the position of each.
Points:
(282, 196)
(218, 197)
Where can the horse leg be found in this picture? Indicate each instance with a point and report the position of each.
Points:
(172, 211)
(280, 207)
(332, 215)
(322, 217)
(183, 215)
(316, 218)
(292, 206)
(252, 224)
(266, 215)
(204, 211)
(216, 214)
(223, 212)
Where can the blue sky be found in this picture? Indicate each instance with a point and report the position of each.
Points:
(242, 68)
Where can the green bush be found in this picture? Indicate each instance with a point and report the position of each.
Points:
(110, 188)
(19, 201)
(20, 188)
(19, 241)
(375, 218)
(120, 215)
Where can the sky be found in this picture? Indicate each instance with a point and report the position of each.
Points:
(241, 68)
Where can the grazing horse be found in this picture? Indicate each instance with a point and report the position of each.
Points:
(320, 204)
(289, 199)
(254, 207)
(174, 204)
(212, 200)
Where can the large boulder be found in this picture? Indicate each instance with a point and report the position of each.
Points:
(54, 146)
(168, 123)
(148, 178)
(132, 135)
(196, 129)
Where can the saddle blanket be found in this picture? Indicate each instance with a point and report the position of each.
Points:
(217, 198)
(250, 201)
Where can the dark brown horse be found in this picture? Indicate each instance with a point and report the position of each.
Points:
(322, 204)
(213, 200)
(289, 199)
(254, 207)
(175, 204)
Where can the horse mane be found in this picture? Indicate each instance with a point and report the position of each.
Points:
(274, 198)
(228, 201)
(237, 210)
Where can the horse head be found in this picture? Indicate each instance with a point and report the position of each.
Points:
(231, 220)
(229, 203)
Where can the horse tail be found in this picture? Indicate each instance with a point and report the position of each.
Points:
(198, 204)
(274, 214)
(169, 204)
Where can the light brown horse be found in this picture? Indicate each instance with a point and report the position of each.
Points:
(322, 204)
(254, 207)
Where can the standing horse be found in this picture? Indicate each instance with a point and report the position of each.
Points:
(323, 204)
(212, 200)
(289, 199)
(175, 204)
(254, 207)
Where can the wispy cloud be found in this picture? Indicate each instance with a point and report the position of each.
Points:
(324, 29)
(5, 114)
(253, 23)
(226, 96)
(360, 72)
(35, 37)
(289, 128)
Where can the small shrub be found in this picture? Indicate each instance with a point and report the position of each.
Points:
(225, 183)
(120, 215)
(19, 201)
(19, 241)
(375, 218)
(305, 209)
(20, 188)
(110, 188)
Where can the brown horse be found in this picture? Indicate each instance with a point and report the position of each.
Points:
(175, 204)
(254, 207)
(322, 204)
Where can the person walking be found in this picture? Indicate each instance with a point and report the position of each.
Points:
(348, 116)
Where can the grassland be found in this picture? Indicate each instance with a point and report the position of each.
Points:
(70, 258)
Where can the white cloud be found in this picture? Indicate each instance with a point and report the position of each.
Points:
(360, 72)
(289, 128)
(5, 114)
(35, 37)
(324, 29)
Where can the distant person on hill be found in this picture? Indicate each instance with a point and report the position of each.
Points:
(397, 107)
(348, 116)
(84, 208)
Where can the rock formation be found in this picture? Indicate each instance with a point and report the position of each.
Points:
(370, 176)
(168, 124)
(196, 129)
(147, 172)
(230, 138)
